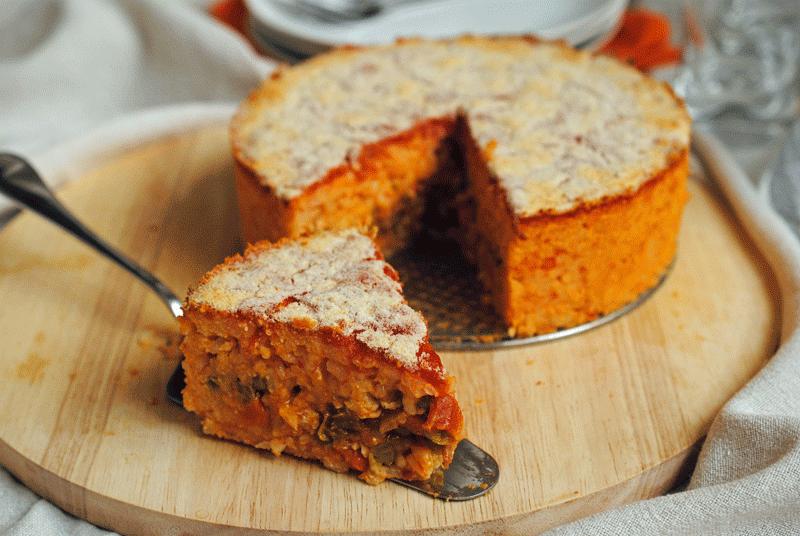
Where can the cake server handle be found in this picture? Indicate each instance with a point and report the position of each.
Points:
(20, 182)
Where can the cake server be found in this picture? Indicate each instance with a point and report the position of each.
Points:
(473, 471)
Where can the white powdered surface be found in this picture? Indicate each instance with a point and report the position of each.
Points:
(333, 280)
(564, 127)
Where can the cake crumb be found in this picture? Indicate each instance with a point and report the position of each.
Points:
(32, 368)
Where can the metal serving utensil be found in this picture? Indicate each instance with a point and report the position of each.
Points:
(473, 471)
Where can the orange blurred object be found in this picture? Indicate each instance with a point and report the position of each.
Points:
(231, 12)
(643, 40)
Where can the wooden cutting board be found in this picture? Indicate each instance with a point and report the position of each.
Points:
(578, 426)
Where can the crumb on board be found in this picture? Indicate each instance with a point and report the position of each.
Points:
(32, 368)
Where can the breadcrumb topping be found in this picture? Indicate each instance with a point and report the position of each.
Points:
(563, 127)
(332, 279)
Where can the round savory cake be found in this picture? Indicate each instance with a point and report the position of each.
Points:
(562, 172)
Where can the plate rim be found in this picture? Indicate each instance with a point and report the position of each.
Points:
(292, 33)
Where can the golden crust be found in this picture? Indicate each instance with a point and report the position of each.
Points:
(567, 269)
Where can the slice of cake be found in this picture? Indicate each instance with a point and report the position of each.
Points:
(574, 165)
(308, 347)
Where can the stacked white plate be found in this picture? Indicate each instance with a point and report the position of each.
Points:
(288, 31)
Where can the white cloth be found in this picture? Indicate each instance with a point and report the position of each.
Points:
(22, 513)
(67, 66)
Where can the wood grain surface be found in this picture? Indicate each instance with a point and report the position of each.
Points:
(577, 425)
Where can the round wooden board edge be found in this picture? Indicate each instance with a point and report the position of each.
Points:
(115, 515)
(107, 512)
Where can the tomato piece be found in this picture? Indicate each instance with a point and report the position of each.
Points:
(354, 459)
(444, 414)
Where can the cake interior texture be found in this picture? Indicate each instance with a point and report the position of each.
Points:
(307, 347)
(562, 175)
